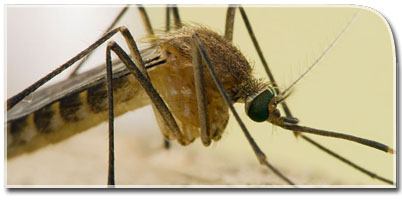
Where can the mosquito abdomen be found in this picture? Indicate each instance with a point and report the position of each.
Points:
(72, 114)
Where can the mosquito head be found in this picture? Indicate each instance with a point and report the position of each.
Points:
(259, 106)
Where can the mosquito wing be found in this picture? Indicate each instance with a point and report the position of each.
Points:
(76, 84)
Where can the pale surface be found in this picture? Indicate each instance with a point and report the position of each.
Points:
(144, 162)
(351, 91)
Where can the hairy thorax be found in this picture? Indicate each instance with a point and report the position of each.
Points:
(174, 80)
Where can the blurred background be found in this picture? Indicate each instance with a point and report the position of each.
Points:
(351, 91)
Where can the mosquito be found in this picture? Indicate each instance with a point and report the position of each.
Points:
(287, 99)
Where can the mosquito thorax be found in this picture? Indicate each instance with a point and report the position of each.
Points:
(257, 105)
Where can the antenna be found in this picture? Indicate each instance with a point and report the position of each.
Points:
(322, 54)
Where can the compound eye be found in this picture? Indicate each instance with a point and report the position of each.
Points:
(257, 108)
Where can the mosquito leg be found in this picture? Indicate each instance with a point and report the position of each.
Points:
(201, 95)
(166, 143)
(363, 141)
(145, 83)
(162, 108)
(167, 19)
(150, 31)
(371, 174)
(289, 114)
(264, 62)
(144, 80)
(260, 155)
(176, 16)
(109, 73)
(145, 19)
(156, 99)
(256, 45)
(230, 13)
(140, 74)
(200, 87)
(117, 19)
(11, 102)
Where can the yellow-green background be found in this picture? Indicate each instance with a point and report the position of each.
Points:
(350, 91)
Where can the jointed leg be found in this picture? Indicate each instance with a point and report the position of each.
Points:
(147, 25)
(117, 19)
(287, 110)
(143, 79)
(11, 102)
(201, 94)
(260, 155)
(150, 31)
(137, 71)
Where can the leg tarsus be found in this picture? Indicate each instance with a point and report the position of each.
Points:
(166, 144)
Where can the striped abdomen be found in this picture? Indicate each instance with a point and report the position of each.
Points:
(72, 114)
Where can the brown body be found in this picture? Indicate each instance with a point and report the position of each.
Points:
(174, 80)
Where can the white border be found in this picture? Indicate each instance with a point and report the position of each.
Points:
(391, 10)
